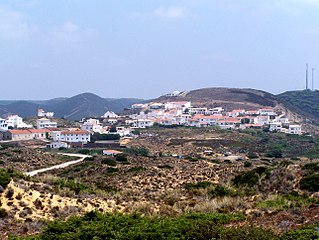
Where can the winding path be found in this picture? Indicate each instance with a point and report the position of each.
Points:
(62, 165)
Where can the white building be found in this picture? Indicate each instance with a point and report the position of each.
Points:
(197, 110)
(109, 114)
(15, 121)
(275, 126)
(142, 123)
(177, 105)
(294, 129)
(42, 113)
(56, 145)
(46, 123)
(73, 136)
(92, 125)
(267, 112)
(3, 124)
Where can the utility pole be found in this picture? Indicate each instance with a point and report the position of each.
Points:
(307, 76)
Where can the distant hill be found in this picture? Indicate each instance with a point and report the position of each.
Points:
(76, 107)
(304, 102)
(228, 98)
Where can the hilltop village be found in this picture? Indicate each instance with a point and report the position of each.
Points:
(94, 132)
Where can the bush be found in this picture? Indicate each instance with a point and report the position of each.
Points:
(142, 151)
(3, 213)
(275, 153)
(252, 155)
(9, 193)
(222, 191)
(302, 234)
(248, 179)
(311, 168)
(248, 164)
(73, 185)
(84, 151)
(121, 158)
(108, 161)
(310, 183)
(5, 178)
(94, 225)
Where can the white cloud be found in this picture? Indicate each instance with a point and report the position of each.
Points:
(14, 25)
(70, 33)
(170, 13)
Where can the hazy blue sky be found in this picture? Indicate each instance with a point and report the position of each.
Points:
(144, 48)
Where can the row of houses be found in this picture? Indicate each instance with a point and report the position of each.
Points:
(183, 113)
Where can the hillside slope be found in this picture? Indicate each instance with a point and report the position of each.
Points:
(76, 107)
(304, 102)
(228, 98)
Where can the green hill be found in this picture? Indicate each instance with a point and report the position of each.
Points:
(305, 102)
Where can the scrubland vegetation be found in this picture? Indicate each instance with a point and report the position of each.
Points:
(249, 185)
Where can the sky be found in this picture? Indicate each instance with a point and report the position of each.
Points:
(146, 48)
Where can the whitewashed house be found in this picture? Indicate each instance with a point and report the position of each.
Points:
(267, 112)
(294, 129)
(42, 113)
(110, 114)
(15, 121)
(57, 145)
(3, 124)
(92, 125)
(275, 126)
(142, 123)
(46, 123)
(72, 136)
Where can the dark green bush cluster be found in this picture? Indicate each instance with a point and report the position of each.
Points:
(141, 151)
(7, 174)
(250, 178)
(5, 178)
(310, 168)
(252, 155)
(222, 191)
(95, 225)
(108, 161)
(198, 185)
(73, 185)
(121, 158)
(310, 183)
(84, 151)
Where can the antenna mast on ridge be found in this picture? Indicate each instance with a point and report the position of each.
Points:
(306, 76)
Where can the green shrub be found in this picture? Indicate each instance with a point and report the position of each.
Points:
(73, 185)
(108, 161)
(84, 151)
(121, 158)
(141, 151)
(311, 168)
(3, 213)
(94, 225)
(248, 164)
(301, 234)
(5, 178)
(252, 155)
(310, 183)
(275, 153)
(248, 179)
(222, 191)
